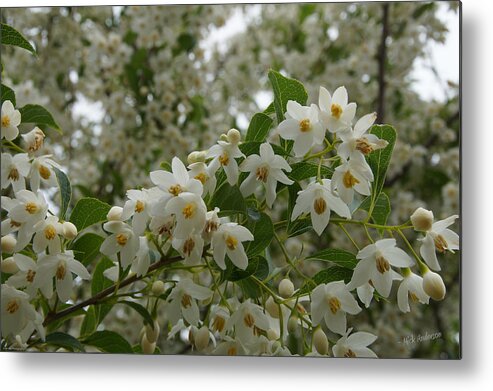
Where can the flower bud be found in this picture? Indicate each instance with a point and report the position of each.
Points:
(202, 338)
(286, 288)
(69, 230)
(223, 137)
(8, 244)
(115, 213)
(422, 219)
(433, 285)
(157, 288)
(272, 307)
(196, 156)
(152, 334)
(272, 334)
(292, 324)
(320, 342)
(34, 139)
(8, 266)
(147, 347)
(234, 136)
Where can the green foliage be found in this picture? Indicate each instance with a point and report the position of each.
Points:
(331, 274)
(339, 257)
(253, 147)
(8, 94)
(89, 211)
(259, 127)
(379, 160)
(36, 114)
(257, 266)
(86, 248)
(66, 341)
(263, 232)
(305, 170)
(10, 36)
(65, 191)
(108, 341)
(381, 208)
(228, 199)
(141, 310)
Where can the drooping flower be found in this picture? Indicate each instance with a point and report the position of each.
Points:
(47, 234)
(265, 168)
(24, 277)
(248, 320)
(354, 345)
(411, 286)
(17, 312)
(227, 239)
(225, 153)
(14, 171)
(122, 240)
(206, 174)
(189, 210)
(182, 301)
(318, 199)
(34, 139)
(331, 302)
(42, 172)
(138, 207)
(142, 260)
(335, 111)
(302, 125)
(11, 119)
(375, 264)
(61, 266)
(190, 248)
(29, 207)
(352, 176)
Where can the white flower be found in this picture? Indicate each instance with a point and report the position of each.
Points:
(190, 248)
(162, 222)
(375, 264)
(206, 174)
(352, 176)
(17, 312)
(9, 225)
(189, 210)
(29, 207)
(331, 302)
(218, 318)
(264, 168)
(14, 171)
(319, 200)
(24, 277)
(212, 223)
(228, 240)
(47, 234)
(142, 261)
(433, 285)
(230, 347)
(356, 144)
(61, 266)
(225, 154)
(303, 126)
(138, 207)
(440, 238)
(354, 345)
(123, 240)
(34, 139)
(335, 111)
(422, 219)
(11, 119)
(176, 182)
(182, 301)
(247, 321)
(42, 171)
(411, 286)
(365, 291)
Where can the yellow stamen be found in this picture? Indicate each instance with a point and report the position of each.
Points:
(188, 246)
(334, 304)
(189, 210)
(382, 264)
(30, 275)
(336, 110)
(14, 224)
(262, 173)
(218, 323)
(305, 125)
(350, 354)
(224, 159)
(12, 305)
(319, 205)
(413, 297)
(249, 320)
(231, 242)
(50, 232)
(349, 180)
(44, 172)
(175, 189)
(440, 243)
(186, 301)
(13, 174)
(61, 271)
(31, 208)
(5, 121)
(139, 206)
(232, 351)
(202, 177)
(121, 239)
(364, 146)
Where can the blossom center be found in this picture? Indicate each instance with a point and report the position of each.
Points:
(320, 205)
(249, 320)
(31, 208)
(336, 110)
(14, 224)
(202, 177)
(413, 297)
(305, 125)
(440, 243)
(382, 264)
(5, 121)
(50, 232)
(224, 159)
(175, 189)
(189, 210)
(231, 242)
(210, 226)
(262, 173)
(364, 146)
(13, 174)
(334, 304)
(121, 239)
(139, 206)
(44, 172)
(232, 351)
(188, 246)
(30, 275)
(12, 305)
(61, 270)
(186, 300)
(218, 323)
(349, 354)
(349, 180)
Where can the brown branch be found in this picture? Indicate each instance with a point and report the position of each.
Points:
(51, 317)
(382, 59)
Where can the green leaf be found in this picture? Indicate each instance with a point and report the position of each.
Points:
(8, 94)
(65, 341)
(259, 127)
(270, 109)
(286, 89)
(249, 285)
(251, 147)
(89, 323)
(11, 36)
(379, 160)
(263, 232)
(166, 166)
(109, 342)
(228, 199)
(36, 114)
(99, 283)
(257, 266)
(342, 258)
(381, 209)
(334, 273)
(141, 310)
(65, 191)
(86, 247)
(305, 170)
(89, 211)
